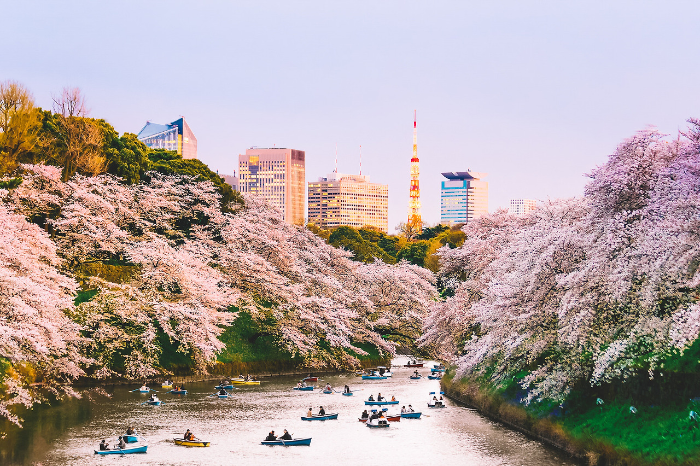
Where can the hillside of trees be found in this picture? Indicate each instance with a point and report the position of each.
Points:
(120, 261)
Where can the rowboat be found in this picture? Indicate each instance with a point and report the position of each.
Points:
(437, 405)
(123, 451)
(414, 364)
(310, 388)
(316, 417)
(144, 391)
(130, 438)
(327, 392)
(288, 443)
(246, 382)
(415, 377)
(225, 387)
(381, 403)
(394, 418)
(375, 423)
(190, 443)
(154, 402)
(434, 377)
(411, 415)
(347, 393)
(178, 392)
(222, 396)
(373, 377)
(437, 369)
(310, 379)
(383, 370)
(362, 419)
(168, 385)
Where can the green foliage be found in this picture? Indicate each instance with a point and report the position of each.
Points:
(84, 296)
(363, 250)
(432, 232)
(11, 183)
(415, 252)
(127, 157)
(249, 340)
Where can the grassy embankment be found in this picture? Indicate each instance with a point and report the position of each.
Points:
(608, 434)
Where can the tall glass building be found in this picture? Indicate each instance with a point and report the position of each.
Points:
(464, 197)
(176, 136)
(278, 175)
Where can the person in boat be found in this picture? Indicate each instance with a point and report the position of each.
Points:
(104, 445)
(222, 392)
(410, 409)
(380, 397)
(328, 387)
(122, 443)
(144, 388)
(393, 398)
(403, 410)
(415, 374)
(374, 416)
(286, 435)
(187, 435)
(347, 389)
(321, 411)
(298, 384)
(371, 398)
(364, 414)
(271, 436)
(309, 413)
(130, 431)
(190, 437)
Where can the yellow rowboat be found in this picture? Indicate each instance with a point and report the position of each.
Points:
(246, 382)
(190, 443)
(166, 386)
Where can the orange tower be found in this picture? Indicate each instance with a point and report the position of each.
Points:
(414, 219)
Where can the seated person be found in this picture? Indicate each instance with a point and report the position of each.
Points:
(222, 392)
(364, 414)
(321, 411)
(143, 388)
(187, 434)
(347, 389)
(374, 416)
(393, 398)
(303, 384)
(328, 387)
(380, 397)
(298, 384)
(410, 409)
(309, 413)
(271, 436)
(285, 436)
(130, 431)
(104, 445)
(403, 410)
(371, 398)
(122, 443)
(190, 436)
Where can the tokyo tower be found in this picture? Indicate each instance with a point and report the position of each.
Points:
(414, 219)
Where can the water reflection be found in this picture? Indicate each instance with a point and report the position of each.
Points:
(68, 434)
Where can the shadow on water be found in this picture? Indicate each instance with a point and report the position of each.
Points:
(42, 426)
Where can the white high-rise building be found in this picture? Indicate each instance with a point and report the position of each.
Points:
(522, 206)
(349, 200)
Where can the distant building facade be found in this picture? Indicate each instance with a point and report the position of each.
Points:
(522, 206)
(232, 180)
(279, 176)
(464, 197)
(176, 136)
(349, 200)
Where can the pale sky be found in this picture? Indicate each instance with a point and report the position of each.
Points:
(535, 93)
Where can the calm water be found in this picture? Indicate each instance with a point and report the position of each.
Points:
(235, 426)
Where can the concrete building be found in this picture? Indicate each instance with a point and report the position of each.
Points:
(176, 136)
(279, 176)
(349, 200)
(522, 206)
(232, 180)
(464, 197)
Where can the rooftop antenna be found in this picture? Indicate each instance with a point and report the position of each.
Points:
(360, 159)
(336, 158)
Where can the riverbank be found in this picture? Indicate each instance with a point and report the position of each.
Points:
(601, 436)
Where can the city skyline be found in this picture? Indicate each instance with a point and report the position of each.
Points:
(535, 96)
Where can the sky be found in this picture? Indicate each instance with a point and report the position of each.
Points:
(534, 93)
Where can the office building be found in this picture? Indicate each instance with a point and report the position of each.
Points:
(278, 175)
(232, 180)
(349, 200)
(464, 197)
(176, 136)
(522, 206)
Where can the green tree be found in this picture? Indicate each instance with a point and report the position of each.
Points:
(415, 252)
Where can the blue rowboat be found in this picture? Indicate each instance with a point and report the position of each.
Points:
(223, 396)
(154, 403)
(130, 438)
(178, 392)
(325, 417)
(304, 389)
(347, 393)
(440, 405)
(411, 415)
(414, 377)
(327, 392)
(373, 377)
(125, 451)
(434, 377)
(381, 403)
(437, 369)
(288, 443)
(225, 387)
